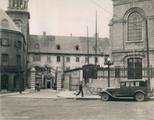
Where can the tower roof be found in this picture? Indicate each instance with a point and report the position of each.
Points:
(6, 22)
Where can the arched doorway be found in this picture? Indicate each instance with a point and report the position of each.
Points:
(4, 81)
(134, 68)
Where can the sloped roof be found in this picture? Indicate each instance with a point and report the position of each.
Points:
(48, 44)
(6, 22)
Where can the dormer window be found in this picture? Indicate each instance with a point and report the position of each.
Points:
(5, 23)
(77, 47)
(58, 47)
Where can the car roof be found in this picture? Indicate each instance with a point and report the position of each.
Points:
(133, 80)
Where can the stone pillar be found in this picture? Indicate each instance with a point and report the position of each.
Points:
(81, 75)
(59, 80)
(32, 80)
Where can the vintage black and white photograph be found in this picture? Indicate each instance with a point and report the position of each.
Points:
(76, 59)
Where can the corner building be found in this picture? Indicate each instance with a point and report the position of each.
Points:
(128, 38)
(12, 53)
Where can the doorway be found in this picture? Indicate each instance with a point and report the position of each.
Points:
(48, 84)
(4, 81)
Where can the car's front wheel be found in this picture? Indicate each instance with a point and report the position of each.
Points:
(139, 96)
(105, 97)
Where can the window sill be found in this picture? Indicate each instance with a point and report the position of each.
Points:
(141, 41)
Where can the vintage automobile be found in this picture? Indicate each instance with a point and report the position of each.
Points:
(136, 89)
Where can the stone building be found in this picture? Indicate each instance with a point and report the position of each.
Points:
(52, 54)
(12, 54)
(128, 42)
(14, 34)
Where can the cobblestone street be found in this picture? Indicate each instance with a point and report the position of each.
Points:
(27, 108)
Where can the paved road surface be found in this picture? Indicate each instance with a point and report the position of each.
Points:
(22, 108)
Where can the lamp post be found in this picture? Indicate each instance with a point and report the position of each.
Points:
(108, 62)
(148, 60)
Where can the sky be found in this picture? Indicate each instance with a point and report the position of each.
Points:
(65, 17)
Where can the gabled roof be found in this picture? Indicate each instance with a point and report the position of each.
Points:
(6, 22)
(48, 44)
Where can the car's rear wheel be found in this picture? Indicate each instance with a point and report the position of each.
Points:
(139, 96)
(105, 97)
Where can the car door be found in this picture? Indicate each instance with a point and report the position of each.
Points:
(124, 90)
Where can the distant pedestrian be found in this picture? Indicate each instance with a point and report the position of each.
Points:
(37, 86)
(80, 89)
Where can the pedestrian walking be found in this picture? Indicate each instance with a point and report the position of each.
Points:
(80, 89)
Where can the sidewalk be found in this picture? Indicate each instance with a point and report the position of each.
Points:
(53, 94)
(72, 95)
(48, 93)
(13, 93)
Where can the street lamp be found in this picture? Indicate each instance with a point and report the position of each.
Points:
(108, 62)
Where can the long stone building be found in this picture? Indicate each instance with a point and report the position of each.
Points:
(49, 54)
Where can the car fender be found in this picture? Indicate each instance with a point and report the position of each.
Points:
(139, 91)
(106, 93)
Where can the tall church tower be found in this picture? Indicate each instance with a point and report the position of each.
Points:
(18, 11)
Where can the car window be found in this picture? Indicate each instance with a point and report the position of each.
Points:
(132, 84)
(127, 84)
(136, 84)
(123, 84)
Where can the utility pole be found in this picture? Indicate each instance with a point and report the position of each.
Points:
(148, 61)
(96, 37)
(88, 44)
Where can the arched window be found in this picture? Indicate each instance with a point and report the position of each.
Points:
(135, 27)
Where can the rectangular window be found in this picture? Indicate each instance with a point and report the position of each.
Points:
(86, 59)
(18, 60)
(5, 59)
(48, 59)
(58, 58)
(36, 57)
(96, 59)
(77, 59)
(117, 72)
(67, 68)
(67, 59)
(5, 42)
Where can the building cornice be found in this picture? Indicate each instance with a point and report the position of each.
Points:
(19, 12)
(122, 2)
(66, 54)
(128, 51)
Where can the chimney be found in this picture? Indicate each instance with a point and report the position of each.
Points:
(44, 35)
